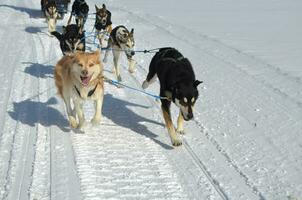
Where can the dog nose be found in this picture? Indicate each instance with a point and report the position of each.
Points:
(190, 116)
(132, 53)
(85, 72)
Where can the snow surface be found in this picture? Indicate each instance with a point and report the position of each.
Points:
(244, 143)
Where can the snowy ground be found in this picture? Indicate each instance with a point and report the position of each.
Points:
(245, 141)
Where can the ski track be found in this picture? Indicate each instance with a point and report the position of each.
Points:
(129, 155)
(211, 59)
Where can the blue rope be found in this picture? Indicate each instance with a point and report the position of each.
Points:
(135, 89)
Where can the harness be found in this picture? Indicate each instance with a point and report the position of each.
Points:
(90, 93)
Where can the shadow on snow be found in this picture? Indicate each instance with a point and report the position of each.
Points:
(33, 13)
(39, 70)
(117, 110)
(32, 112)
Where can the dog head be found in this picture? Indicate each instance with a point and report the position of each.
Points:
(51, 9)
(126, 39)
(184, 96)
(102, 14)
(87, 67)
(73, 37)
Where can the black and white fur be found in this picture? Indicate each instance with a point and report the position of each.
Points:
(121, 39)
(80, 10)
(51, 14)
(177, 85)
(72, 39)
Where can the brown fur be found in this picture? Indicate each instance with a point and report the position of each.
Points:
(68, 73)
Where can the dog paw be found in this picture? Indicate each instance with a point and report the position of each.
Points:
(131, 70)
(119, 78)
(82, 125)
(95, 121)
(176, 141)
(73, 122)
(181, 132)
(145, 84)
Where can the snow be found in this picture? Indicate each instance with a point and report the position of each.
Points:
(244, 143)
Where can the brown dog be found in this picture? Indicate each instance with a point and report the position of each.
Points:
(79, 77)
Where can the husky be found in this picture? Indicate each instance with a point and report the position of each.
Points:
(72, 39)
(80, 10)
(79, 77)
(121, 40)
(177, 85)
(51, 14)
(103, 24)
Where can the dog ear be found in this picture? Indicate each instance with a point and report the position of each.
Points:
(104, 6)
(132, 31)
(97, 54)
(196, 83)
(96, 8)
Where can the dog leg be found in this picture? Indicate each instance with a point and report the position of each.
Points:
(146, 83)
(180, 124)
(79, 110)
(71, 117)
(176, 141)
(98, 104)
(116, 57)
(131, 65)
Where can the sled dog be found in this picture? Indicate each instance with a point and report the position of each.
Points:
(72, 39)
(79, 77)
(103, 24)
(51, 14)
(177, 85)
(80, 10)
(121, 40)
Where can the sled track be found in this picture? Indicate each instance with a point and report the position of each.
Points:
(189, 150)
(214, 182)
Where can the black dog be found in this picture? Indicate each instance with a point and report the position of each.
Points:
(177, 84)
(80, 10)
(72, 39)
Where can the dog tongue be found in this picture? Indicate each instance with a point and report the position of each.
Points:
(85, 80)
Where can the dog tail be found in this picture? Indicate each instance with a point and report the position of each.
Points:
(57, 35)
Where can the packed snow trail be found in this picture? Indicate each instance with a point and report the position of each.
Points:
(42, 159)
(246, 121)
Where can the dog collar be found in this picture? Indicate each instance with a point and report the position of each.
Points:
(90, 93)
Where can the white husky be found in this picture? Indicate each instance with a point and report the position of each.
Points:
(121, 40)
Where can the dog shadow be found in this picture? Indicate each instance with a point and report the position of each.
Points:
(33, 112)
(120, 114)
(33, 30)
(33, 13)
(39, 70)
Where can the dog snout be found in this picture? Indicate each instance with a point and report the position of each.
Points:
(190, 116)
(85, 72)
(132, 53)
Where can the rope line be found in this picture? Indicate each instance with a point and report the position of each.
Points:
(117, 83)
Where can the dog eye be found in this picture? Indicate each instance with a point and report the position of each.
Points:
(80, 64)
(91, 64)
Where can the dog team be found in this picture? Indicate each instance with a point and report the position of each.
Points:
(79, 74)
